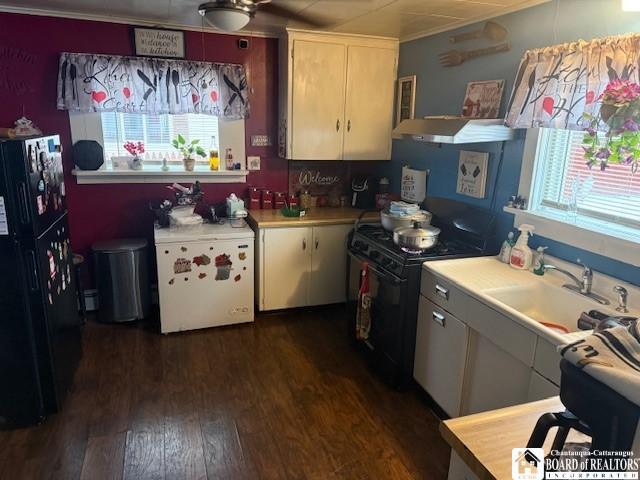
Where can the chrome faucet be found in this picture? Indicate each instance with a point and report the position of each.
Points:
(623, 296)
(580, 285)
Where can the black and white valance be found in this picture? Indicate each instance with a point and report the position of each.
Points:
(556, 85)
(99, 83)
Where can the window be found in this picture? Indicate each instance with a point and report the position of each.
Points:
(156, 131)
(565, 189)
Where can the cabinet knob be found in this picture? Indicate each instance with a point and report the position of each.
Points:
(304, 244)
(348, 125)
(337, 125)
(317, 243)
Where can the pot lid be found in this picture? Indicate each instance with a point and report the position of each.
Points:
(418, 231)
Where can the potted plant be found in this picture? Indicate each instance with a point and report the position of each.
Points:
(187, 150)
(136, 149)
(613, 135)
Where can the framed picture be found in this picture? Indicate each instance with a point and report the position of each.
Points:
(472, 173)
(406, 101)
(482, 99)
(158, 42)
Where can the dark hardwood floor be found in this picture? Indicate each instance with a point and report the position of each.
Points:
(285, 397)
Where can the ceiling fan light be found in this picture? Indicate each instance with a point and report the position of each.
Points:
(227, 19)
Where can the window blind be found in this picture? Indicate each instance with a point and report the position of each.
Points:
(157, 132)
(565, 184)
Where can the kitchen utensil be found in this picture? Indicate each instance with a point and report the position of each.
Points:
(491, 31)
(175, 78)
(453, 58)
(416, 238)
(390, 221)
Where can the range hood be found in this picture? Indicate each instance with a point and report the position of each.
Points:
(455, 130)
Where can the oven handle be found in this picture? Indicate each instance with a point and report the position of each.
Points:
(389, 277)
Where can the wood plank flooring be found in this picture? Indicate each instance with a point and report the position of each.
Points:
(283, 398)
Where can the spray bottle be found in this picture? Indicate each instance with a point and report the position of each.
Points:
(521, 254)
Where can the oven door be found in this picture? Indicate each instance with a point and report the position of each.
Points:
(388, 314)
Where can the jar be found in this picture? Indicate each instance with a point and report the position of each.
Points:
(254, 198)
(334, 199)
(266, 200)
(322, 200)
(278, 200)
(305, 200)
(293, 201)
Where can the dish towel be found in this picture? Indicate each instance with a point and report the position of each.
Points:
(403, 208)
(613, 358)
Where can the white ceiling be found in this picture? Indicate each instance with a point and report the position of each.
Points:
(404, 19)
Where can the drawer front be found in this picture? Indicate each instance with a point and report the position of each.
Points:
(441, 350)
(547, 361)
(443, 293)
(541, 388)
(501, 330)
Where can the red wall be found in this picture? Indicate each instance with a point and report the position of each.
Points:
(29, 49)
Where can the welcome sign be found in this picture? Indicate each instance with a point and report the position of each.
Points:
(157, 42)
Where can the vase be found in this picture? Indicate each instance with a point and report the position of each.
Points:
(136, 162)
(189, 164)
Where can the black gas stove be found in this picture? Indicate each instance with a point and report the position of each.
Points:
(395, 279)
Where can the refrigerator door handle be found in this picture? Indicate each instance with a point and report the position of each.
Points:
(33, 271)
(23, 202)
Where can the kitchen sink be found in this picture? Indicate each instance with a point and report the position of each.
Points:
(548, 304)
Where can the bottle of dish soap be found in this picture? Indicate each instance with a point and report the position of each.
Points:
(521, 254)
(505, 250)
(538, 264)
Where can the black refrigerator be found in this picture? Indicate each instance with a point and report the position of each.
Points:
(40, 327)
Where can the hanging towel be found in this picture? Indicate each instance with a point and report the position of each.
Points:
(613, 358)
(363, 316)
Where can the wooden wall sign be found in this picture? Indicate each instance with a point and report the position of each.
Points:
(158, 42)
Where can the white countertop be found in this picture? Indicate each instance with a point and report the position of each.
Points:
(206, 231)
(477, 277)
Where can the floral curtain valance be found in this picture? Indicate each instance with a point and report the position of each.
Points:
(96, 83)
(556, 85)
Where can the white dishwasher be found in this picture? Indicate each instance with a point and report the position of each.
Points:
(205, 276)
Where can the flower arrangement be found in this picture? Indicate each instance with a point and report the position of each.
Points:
(134, 149)
(619, 140)
(187, 150)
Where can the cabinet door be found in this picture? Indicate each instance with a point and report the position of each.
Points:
(317, 111)
(371, 75)
(441, 350)
(329, 265)
(286, 267)
(493, 377)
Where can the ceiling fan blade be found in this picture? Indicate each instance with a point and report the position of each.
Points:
(277, 10)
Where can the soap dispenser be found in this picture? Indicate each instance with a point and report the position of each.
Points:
(521, 254)
(538, 264)
(505, 250)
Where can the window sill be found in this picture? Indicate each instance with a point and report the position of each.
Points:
(155, 175)
(578, 236)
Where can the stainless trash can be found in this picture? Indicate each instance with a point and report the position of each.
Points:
(122, 277)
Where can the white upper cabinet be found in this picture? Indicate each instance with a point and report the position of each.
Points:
(318, 100)
(336, 96)
(371, 76)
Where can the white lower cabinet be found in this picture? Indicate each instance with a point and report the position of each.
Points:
(493, 378)
(541, 388)
(441, 346)
(301, 266)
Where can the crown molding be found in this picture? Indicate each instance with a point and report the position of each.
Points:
(471, 21)
(42, 12)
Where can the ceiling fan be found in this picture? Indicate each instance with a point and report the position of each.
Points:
(232, 15)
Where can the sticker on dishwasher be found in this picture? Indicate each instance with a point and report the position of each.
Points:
(4, 224)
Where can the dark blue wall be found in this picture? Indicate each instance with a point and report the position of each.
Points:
(441, 90)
